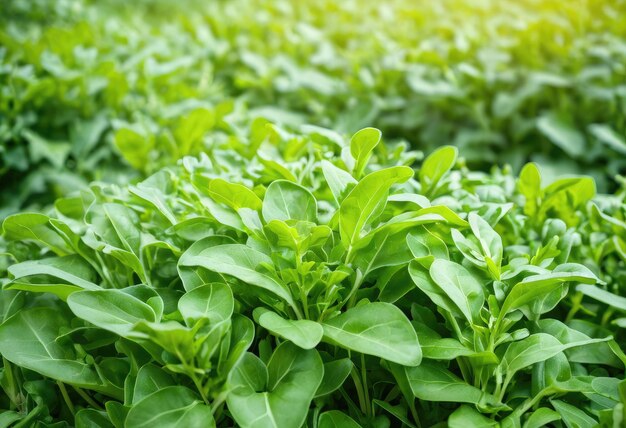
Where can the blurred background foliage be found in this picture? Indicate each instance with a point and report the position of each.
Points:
(113, 90)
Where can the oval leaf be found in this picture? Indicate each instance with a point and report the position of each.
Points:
(379, 329)
(285, 200)
(303, 333)
(111, 310)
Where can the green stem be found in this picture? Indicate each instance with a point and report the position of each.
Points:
(12, 385)
(466, 370)
(216, 407)
(189, 369)
(502, 391)
(303, 291)
(519, 411)
(456, 328)
(478, 374)
(305, 304)
(66, 397)
(349, 255)
(366, 394)
(296, 311)
(105, 272)
(498, 382)
(576, 305)
(199, 386)
(351, 298)
(606, 317)
(87, 398)
(348, 399)
(359, 390)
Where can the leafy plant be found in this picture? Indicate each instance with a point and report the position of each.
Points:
(91, 92)
(326, 284)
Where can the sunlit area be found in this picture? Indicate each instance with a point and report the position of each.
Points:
(298, 213)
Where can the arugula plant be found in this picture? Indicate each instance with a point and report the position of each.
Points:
(305, 280)
(90, 92)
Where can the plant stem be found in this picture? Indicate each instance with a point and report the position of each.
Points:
(359, 390)
(66, 397)
(216, 406)
(87, 398)
(303, 291)
(576, 305)
(351, 299)
(192, 375)
(523, 408)
(606, 317)
(12, 385)
(502, 391)
(366, 394)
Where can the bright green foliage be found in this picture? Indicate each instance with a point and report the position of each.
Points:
(114, 90)
(318, 294)
(212, 213)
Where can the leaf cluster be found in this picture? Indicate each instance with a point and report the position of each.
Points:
(294, 280)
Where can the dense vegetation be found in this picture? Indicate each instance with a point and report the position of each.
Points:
(201, 227)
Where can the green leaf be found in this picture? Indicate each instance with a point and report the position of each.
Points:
(213, 302)
(384, 249)
(34, 227)
(285, 200)
(443, 349)
(572, 415)
(35, 275)
(190, 129)
(563, 197)
(279, 395)
(28, 339)
(111, 310)
(193, 277)
(241, 262)
(435, 166)
(541, 418)
(603, 296)
(490, 241)
(117, 412)
(170, 335)
(154, 190)
(359, 207)
(534, 349)
(466, 416)
(150, 379)
(92, 418)
(398, 412)
(361, 146)
(234, 195)
(378, 329)
(435, 293)
(607, 135)
(338, 180)
(446, 213)
(336, 419)
(536, 287)
(9, 417)
(40, 148)
(529, 185)
(303, 333)
(562, 133)
(596, 353)
(460, 287)
(432, 382)
(124, 222)
(172, 406)
(335, 374)
(426, 246)
(134, 147)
